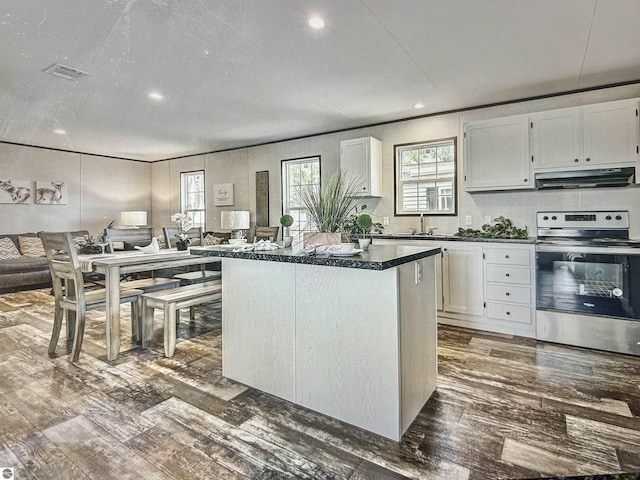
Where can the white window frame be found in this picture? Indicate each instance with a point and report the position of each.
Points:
(192, 197)
(434, 193)
(298, 212)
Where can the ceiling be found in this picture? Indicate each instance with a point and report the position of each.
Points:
(236, 73)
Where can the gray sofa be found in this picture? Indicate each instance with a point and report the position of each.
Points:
(26, 272)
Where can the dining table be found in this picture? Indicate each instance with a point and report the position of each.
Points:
(114, 265)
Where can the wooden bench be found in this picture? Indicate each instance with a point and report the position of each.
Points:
(171, 301)
(147, 285)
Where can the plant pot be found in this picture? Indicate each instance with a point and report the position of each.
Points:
(182, 245)
(287, 241)
(364, 243)
(321, 238)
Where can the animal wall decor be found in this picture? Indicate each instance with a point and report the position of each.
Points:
(50, 193)
(15, 191)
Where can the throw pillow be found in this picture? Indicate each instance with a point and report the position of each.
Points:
(8, 249)
(211, 240)
(31, 246)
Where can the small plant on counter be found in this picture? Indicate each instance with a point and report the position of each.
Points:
(350, 225)
(503, 228)
(286, 220)
(364, 223)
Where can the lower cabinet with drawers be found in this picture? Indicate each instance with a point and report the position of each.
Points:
(484, 285)
(509, 288)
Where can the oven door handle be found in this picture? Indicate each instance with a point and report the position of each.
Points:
(588, 250)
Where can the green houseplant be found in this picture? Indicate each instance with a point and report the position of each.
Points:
(364, 223)
(286, 221)
(329, 206)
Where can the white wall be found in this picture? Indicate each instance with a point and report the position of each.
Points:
(98, 189)
(239, 167)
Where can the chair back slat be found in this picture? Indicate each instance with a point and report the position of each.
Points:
(64, 265)
(170, 233)
(138, 236)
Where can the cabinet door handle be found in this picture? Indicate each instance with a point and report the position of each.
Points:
(507, 275)
(507, 294)
(587, 159)
(576, 160)
(526, 180)
(508, 312)
(506, 256)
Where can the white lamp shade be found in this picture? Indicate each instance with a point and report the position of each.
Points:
(133, 219)
(234, 220)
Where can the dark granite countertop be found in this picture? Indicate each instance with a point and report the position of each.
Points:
(448, 238)
(378, 257)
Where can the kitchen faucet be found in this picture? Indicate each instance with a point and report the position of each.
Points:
(422, 223)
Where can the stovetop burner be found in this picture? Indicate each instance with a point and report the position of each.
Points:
(608, 228)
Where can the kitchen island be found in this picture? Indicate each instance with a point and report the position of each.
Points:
(351, 337)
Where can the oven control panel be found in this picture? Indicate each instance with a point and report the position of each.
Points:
(600, 220)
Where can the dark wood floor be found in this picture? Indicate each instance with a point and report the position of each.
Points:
(504, 408)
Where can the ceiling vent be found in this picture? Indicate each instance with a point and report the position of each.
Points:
(63, 71)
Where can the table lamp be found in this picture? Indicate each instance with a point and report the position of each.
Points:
(133, 219)
(235, 220)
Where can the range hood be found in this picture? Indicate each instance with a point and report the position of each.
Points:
(601, 177)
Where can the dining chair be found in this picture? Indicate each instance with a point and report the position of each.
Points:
(266, 233)
(128, 238)
(70, 295)
(195, 234)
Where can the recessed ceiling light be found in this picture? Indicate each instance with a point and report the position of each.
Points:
(60, 131)
(316, 22)
(419, 105)
(155, 95)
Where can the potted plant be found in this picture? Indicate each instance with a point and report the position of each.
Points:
(328, 207)
(364, 223)
(184, 223)
(286, 221)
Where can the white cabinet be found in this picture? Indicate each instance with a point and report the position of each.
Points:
(484, 285)
(509, 288)
(496, 155)
(594, 136)
(361, 159)
(462, 278)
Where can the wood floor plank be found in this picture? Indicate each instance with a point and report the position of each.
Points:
(543, 461)
(176, 454)
(248, 448)
(98, 454)
(46, 461)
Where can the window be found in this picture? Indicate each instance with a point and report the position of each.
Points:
(296, 174)
(192, 196)
(426, 178)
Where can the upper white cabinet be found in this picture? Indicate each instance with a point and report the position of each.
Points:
(496, 155)
(593, 136)
(361, 158)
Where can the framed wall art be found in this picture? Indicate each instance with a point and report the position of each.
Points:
(51, 193)
(15, 191)
(223, 194)
(262, 199)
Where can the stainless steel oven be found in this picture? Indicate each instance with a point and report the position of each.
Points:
(588, 281)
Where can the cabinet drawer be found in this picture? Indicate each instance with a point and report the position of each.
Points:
(507, 256)
(518, 275)
(511, 313)
(508, 293)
